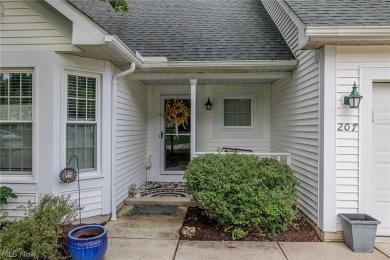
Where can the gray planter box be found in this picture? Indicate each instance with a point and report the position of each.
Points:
(359, 232)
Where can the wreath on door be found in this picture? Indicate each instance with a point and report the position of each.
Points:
(176, 114)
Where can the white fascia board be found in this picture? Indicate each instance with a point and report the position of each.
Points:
(85, 30)
(222, 64)
(361, 31)
(150, 59)
(348, 33)
(253, 75)
(119, 47)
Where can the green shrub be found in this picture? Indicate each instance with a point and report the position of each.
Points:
(244, 193)
(36, 236)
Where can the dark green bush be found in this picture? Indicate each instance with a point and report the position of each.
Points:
(36, 236)
(244, 193)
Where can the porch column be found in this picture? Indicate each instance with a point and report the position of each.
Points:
(193, 116)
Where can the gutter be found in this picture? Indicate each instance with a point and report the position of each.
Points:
(345, 35)
(219, 64)
(121, 49)
(114, 86)
(367, 32)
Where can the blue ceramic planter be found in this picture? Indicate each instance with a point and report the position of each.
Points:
(88, 242)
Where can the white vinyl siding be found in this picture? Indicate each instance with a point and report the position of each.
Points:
(13, 206)
(131, 137)
(295, 114)
(295, 129)
(90, 199)
(22, 29)
(350, 59)
(282, 20)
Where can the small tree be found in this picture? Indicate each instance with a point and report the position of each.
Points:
(119, 5)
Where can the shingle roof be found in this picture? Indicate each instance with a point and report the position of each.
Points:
(193, 30)
(342, 12)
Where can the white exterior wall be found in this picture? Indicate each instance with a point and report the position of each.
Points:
(209, 139)
(131, 137)
(22, 29)
(350, 60)
(295, 114)
(27, 41)
(49, 131)
(23, 198)
(295, 128)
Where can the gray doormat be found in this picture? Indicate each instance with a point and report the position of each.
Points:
(150, 210)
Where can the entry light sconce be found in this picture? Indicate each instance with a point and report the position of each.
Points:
(208, 105)
(353, 100)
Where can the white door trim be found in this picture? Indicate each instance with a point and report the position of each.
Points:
(368, 75)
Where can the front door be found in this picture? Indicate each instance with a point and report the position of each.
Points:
(175, 134)
(381, 156)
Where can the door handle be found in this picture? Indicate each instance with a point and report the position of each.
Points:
(161, 134)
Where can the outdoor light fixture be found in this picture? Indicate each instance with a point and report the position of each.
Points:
(353, 100)
(208, 105)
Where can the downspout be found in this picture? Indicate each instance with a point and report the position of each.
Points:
(114, 87)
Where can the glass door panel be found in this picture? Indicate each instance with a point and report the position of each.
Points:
(176, 139)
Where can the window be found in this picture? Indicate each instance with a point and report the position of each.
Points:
(81, 120)
(16, 119)
(237, 112)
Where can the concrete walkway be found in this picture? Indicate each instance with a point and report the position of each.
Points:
(143, 237)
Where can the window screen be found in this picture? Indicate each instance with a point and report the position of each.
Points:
(237, 112)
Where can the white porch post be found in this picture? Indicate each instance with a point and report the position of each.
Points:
(193, 116)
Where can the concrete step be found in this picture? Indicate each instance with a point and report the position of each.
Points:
(162, 201)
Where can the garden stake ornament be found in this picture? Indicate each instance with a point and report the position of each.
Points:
(68, 175)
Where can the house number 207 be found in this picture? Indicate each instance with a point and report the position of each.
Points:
(347, 127)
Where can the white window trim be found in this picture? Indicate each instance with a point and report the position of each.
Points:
(254, 92)
(93, 173)
(252, 97)
(30, 177)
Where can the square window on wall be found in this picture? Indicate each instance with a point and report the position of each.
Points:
(238, 112)
(82, 121)
(16, 122)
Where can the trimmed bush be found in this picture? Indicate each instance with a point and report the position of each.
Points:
(37, 235)
(244, 193)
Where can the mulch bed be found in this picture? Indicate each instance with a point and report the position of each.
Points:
(211, 230)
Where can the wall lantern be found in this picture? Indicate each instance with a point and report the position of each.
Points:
(208, 105)
(353, 100)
